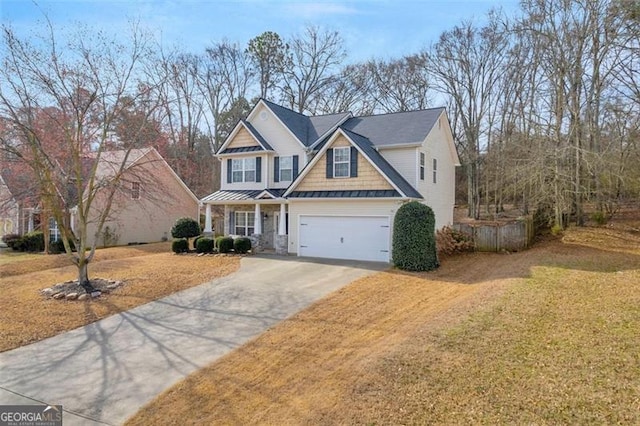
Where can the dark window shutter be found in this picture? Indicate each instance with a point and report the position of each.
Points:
(232, 222)
(329, 163)
(354, 162)
(276, 169)
(258, 169)
(294, 173)
(229, 170)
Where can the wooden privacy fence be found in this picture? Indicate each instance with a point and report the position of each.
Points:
(498, 236)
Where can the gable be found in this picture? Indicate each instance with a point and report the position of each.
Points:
(243, 139)
(368, 177)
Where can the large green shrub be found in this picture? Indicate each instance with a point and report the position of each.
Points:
(33, 241)
(11, 240)
(224, 244)
(414, 242)
(185, 227)
(180, 246)
(204, 245)
(241, 245)
(57, 247)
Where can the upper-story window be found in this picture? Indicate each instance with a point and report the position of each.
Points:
(435, 169)
(422, 165)
(285, 167)
(243, 170)
(135, 190)
(341, 161)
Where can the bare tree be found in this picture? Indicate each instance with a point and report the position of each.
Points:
(311, 68)
(78, 85)
(466, 64)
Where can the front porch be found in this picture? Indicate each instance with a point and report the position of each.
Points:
(260, 215)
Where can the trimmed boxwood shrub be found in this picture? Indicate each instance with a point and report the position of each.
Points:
(204, 245)
(57, 247)
(414, 242)
(11, 239)
(185, 227)
(241, 245)
(195, 241)
(224, 244)
(180, 245)
(33, 241)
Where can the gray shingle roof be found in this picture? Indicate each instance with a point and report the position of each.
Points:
(306, 129)
(395, 129)
(257, 135)
(365, 145)
(376, 193)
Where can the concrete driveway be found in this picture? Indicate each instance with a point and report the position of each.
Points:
(104, 372)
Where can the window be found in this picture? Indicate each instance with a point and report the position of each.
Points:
(243, 170)
(245, 222)
(422, 163)
(54, 231)
(435, 169)
(341, 160)
(285, 171)
(135, 190)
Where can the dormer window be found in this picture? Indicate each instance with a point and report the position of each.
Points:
(341, 161)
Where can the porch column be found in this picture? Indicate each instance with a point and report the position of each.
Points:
(257, 225)
(207, 219)
(282, 221)
(282, 239)
(30, 224)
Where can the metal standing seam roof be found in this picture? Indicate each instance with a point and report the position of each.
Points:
(242, 149)
(241, 195)
(365, 193)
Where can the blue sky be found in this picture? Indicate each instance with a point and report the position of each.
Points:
(370, 28)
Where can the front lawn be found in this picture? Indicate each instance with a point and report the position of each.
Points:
(149, 271)
(545, 336)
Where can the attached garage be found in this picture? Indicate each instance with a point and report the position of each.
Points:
(345, 237)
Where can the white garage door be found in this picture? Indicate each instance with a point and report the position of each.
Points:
(345, 237)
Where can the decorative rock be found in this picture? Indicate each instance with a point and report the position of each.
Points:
(47, 292)
(112, 286)
(83, 296)
(72, 296)
(58, 296)
(96, 293)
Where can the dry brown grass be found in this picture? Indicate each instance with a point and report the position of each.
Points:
(150, 272)
(544, 336)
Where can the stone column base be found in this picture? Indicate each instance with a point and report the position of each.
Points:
(256, 243)
(282, 244)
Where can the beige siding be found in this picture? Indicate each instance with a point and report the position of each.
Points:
(280, 139)
(441, 195)
(368, 177)
(162, 200)
(243, 139)
(245, 185)
(346, 207)
(8, 212)
(405, 161)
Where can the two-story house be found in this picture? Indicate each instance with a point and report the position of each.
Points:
(329, 186)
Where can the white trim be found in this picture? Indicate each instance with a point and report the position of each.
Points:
(399, 146)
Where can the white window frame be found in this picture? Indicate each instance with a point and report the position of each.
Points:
(135, 190)
(422, 165)
(249, 223)
(241, 168)
(435, 170)
(346, 149)
(285, 169)
(54, 230)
